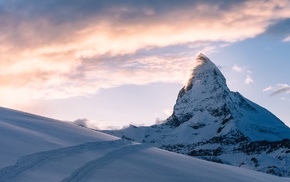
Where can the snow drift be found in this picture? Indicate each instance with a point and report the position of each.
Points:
(35, 148)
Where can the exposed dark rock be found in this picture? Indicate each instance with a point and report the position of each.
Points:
(258, 147)
(198, 126)
(206, 152)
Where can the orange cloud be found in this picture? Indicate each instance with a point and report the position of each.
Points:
(46, 56)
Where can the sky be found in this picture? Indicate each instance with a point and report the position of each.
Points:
(114, 63)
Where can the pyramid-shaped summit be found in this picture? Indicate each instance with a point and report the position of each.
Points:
(211, 122)
(204, 72)
(206, 82)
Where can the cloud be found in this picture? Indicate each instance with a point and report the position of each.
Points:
(267, 88)
(249, 79)
(237, 68)
(86, 123)
(90, 27)
(287, 39)
(243, 69)
(280, 29)
(281, 88)
(166, 64)
(278, 89)
(83, 46)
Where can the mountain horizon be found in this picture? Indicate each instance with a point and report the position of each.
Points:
(36, 148)
(213, 123)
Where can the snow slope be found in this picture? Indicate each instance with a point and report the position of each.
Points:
(211, 122)
(35, 148)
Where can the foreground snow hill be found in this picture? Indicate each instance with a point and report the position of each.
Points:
(213, 123)
(35, 148)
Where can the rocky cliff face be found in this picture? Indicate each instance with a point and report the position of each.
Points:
(213, 123)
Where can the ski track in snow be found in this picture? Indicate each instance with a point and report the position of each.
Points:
(80, 173)
(27, 162)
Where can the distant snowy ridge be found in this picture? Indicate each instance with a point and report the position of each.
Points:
(35, 148)
(213, 123)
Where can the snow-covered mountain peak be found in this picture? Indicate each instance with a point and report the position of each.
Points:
(207, 101)
(203, 64)
(202, 60)
(204, 72)
(211, 122)
(205, 89)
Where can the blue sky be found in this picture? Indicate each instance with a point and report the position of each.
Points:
(122, 62)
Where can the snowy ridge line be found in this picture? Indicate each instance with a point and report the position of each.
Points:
(82, 172)
(211, 122)
(29, 161)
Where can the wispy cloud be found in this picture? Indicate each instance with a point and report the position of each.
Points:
(267, 88)
(278, 89)
(94, 73)
(287, 39)
(249, 79)
(82, 46)
(243, 69)
(237, 68)
(283, 88)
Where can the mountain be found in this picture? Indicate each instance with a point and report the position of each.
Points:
(213, 123)
(35, 148)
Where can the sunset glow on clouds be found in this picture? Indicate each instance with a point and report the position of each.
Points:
(48, 50)
(60, 49)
